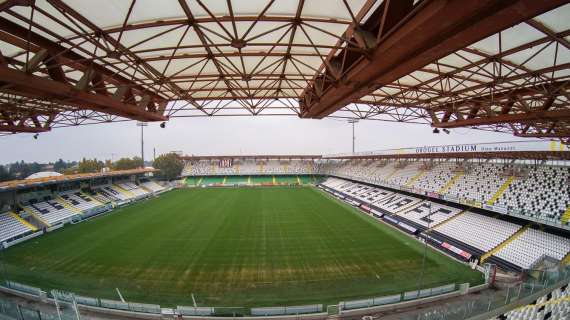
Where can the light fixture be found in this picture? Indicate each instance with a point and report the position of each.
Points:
(163, 125)
(446, 131)
(436, 130)
(36, 136)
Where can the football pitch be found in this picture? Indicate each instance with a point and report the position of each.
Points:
(232, 247)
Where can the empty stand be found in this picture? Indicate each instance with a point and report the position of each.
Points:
(553, 306)
(79, 201)
(152, 186)
(404, 175)
(249, 167)
(543, 193)
(481, 232)
(11, 227)
(532, 245)
(51, 211)
(132, 188)
(480, 183)
(436, 178)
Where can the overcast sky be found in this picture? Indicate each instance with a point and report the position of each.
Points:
(231, 135)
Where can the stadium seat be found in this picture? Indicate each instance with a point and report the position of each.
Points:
(533, 245)
(481, 232)
(10, 227)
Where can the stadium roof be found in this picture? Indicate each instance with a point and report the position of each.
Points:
(490, 64)
(43, 174)
(40, 181)
(524, 149)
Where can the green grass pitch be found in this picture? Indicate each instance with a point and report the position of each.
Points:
(232, 247)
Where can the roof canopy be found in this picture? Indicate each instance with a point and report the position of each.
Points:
(43, 174)
(45, 180)
(497, 65)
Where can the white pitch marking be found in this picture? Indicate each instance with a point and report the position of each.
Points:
(120, 295)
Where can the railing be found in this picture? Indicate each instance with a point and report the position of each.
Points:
(491, 303)
(488, 302)
(72, 299)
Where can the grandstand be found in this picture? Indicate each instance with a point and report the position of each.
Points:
(39, 205)
(529, 191)
(554, 305)
(431, 232)
(12, 227)
(466, 186)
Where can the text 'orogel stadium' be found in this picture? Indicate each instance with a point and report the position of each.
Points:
(375, 234)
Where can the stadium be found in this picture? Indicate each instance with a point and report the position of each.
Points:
(468, 230)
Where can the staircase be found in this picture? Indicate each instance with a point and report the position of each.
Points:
(199, 181)
(566, 216)
(501, 190)
(446, 221)
(504, 243)
(125, 191)
(450, 183)
(225, 179)
(92, 199)
(415, 178)
(249, 180)
(391, 174)
(24, 222)
(37, 217)
(64, 203)
(566, 259)
(274, 180)
(299, 180)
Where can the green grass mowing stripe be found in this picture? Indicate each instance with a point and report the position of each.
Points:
(244, 247)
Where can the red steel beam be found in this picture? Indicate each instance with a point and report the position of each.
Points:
(434, 30)
(22, 129)
(19, 36)
(70, 95)
(507, 118)
(543, 89)
(544, 135)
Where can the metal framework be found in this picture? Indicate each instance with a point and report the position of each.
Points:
(495, 65)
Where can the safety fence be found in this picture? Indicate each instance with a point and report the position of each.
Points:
(406, 296)
(72, 299)
(315, 308)
(470, 305)
(492, 303)
(10, 310)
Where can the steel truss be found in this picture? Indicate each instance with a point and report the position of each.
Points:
(401, 61)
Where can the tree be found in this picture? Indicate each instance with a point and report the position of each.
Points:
(5, 174)
(127, 163)
(60, 165)
(20, 170)
(90, 165)
(170, 166)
